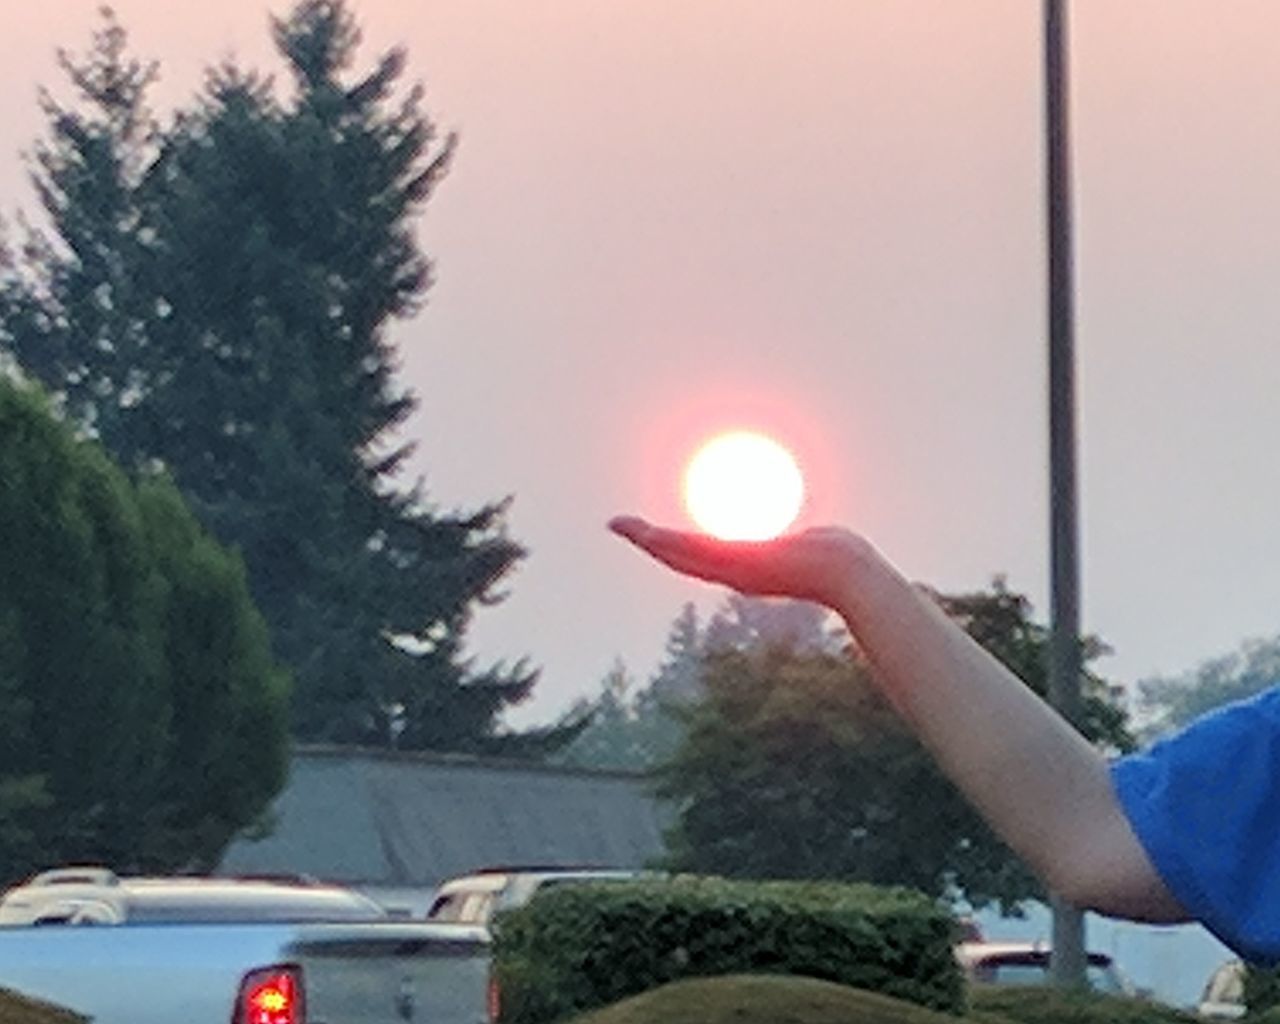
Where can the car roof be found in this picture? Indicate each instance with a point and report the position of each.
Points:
(495, 879)
(216, 899)
(474, 883)
(188, 900)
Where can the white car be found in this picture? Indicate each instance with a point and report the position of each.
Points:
(79, 896)
(1223, 996)
(1027, 963)
(474, 899)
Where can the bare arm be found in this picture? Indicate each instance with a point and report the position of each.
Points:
(1037, 781)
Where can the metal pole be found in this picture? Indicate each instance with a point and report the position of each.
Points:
(1068, 962)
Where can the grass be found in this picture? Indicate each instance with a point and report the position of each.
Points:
(764, 999)
(778, 999)
(1042, 1005)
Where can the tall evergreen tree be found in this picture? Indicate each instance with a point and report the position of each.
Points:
(801, 626)
(78, 306)
(678, 679)
(639, 729)
(643, 729)
(611, 738)
(216, 298)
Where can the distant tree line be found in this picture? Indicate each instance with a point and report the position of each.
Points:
(1169, 702)
(781, 759)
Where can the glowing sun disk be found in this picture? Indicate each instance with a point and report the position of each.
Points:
(743, 486)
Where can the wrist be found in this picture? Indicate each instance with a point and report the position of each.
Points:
(856, 563)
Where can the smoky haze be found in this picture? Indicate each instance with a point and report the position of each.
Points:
(822, 220)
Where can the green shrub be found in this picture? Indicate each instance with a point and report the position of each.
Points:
(144, 719)
(531, 993)
(1261, 989)
(16, 1009)
(759, 999)
(1036, 1004)
(580, 947)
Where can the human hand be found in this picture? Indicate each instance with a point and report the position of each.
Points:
(814, 565)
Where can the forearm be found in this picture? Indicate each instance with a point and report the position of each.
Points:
(1040, 784)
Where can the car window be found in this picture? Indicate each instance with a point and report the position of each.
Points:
(1034, 970)
(462, 908)
(475, 908)
(446, 908)
(74, 912)
(1226, 986)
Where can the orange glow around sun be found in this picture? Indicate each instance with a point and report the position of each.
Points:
(743, 485)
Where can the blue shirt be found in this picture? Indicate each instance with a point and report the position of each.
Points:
(1205, 804)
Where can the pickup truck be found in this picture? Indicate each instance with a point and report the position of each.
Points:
(126, 950)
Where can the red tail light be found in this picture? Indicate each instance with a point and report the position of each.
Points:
(494, 1000)
(271, 996)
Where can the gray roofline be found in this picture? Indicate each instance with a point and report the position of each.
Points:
(349, 753)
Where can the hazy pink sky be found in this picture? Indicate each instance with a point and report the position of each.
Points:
(824, 219)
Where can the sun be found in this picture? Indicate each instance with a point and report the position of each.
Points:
(743, 486)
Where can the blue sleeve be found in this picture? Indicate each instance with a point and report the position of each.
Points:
(1205, 804)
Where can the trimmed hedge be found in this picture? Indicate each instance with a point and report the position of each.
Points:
(575, 948)
(1261, 988)
(1039, 1004)
(16, 1009)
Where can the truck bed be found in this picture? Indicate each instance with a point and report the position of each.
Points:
(360, 973)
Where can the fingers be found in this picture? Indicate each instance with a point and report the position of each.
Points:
(807, 565)
(693, 554)
(631, 528)
(679, 551)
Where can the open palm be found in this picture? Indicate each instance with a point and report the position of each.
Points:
(812, 565)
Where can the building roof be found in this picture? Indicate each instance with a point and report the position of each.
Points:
(409, 819)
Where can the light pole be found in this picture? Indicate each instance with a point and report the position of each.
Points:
(1067, 964)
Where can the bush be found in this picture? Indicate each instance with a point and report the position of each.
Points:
(584, 946)
(1261, 989)
(757, 999)
(16, 1009)
(144, 720)
(1036, 1004)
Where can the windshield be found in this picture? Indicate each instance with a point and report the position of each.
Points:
(1100, 975)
